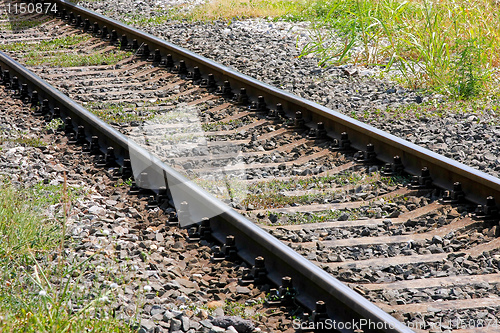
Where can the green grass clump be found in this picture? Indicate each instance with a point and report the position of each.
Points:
(21, 231)
(16, 25)
(316, 183)
(26, 141)
(39, 290)
(21, 138)
(228, 9)
(449, 46)
(317, 217)
(46, 45)
(478, 107)
(115, 112)
(63, 59)
(277, 200)
(156, 18)
(221, 125)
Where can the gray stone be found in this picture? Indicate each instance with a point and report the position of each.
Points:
(241, 325)
(216, 329)
(155, 309)
(206, 323)
(343, 217)
(185, 323)
(175, 324)
(243, 290)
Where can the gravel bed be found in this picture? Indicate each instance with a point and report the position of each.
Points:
(456, 264)
(387, 229)
(435, 244)
(148, 274)
(268, 51)
(481, 319)
(380, 208)
(414, 295)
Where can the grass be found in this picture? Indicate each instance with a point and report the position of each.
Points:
(115, 112)
(47, 45)
(58, 54)
(14, 25)
(54, 124)
(21, 138)
(26, 141)
(329, 215)
(38, 286)
(479, 107)
(227, 9)
(267, 195)
(242, 310)
(63, 59)
(319, 217)
(156, 18)
(449, 46)
(341, 179)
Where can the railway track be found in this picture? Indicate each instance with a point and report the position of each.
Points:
(404, 232)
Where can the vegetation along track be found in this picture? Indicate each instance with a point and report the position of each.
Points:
(419, 247)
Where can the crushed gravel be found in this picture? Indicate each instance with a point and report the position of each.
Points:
(269, 51)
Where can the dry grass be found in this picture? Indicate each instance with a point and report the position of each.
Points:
(228, 9)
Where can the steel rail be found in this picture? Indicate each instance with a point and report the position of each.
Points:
(312, 283)
(445, 172)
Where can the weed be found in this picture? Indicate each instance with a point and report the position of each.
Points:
(24, 140)
(469, 74)
(115, 113)
(447, 46)
(121, 182)
(54, 124)
(317, 217)
(36, 293)
(240, 310)
(32, 142)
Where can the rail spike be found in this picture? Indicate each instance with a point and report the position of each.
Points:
(396, 168)
(318, 320)
(489, 211)
(297, 123)
(200, 232)
(455, 196)
(227, 252)
(424, 181)
(260, 105)
(257, 275)
(369, 156)
(284, 296)
(241, 98)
